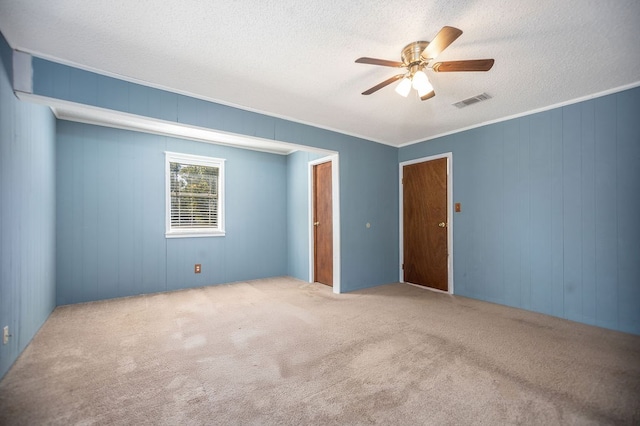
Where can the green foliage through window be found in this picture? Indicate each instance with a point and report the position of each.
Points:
(194, 196)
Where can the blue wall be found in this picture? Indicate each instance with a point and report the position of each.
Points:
(368, 170)
(27, 216)
(298, 215)
(111, 216)
(550, 205)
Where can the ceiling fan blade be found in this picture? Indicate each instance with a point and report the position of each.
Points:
(441, 41)
(456, 66)
(383, 84)
(429, 95)
(383, 62)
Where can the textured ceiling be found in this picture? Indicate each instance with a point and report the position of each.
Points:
(295, 59)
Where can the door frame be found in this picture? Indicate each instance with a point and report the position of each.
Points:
(335, 204)
(449, 157)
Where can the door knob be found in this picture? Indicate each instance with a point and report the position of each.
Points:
(316, 223)
(442, 225)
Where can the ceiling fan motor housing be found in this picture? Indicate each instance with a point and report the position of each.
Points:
(411, 53)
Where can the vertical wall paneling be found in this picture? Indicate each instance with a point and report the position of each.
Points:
(113, 94)
(541, 223)
(494, 275)
(105, 142)
(490, 208)
(129, 214)
(628, 225)
(462, 171)
(87, 212)
(606, 213)
(138, 100)
(83, 86)
(524, 212)
(27, 215)
(368, 181)
(557, 214)
(162, 104)
(512, 233)
(587, 177)
(63, 236)
(111, 216)
(474, 235)
(192, 111)
(570, 180)
(153, 265)
(572, 184)
(60, 83)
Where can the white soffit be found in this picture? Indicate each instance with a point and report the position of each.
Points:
(70, 111)
(295, 59)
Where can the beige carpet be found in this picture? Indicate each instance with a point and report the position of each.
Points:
(281, 351)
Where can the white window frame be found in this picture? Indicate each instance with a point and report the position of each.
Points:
(173, 157)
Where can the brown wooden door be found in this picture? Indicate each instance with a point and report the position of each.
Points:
(425, 224)
(323, 224)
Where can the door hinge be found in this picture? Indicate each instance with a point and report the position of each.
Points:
(403, 266)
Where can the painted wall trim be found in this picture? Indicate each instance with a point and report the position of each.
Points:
(449, 157)
(530, 112)
(335, 194)
(22, 72)
(87, 114)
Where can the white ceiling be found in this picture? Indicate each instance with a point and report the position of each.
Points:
(295, 58)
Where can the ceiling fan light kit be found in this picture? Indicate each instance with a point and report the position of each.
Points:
(404, 87)
(416, 58)
(421, 83)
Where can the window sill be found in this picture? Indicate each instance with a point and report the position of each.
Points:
(198, 234)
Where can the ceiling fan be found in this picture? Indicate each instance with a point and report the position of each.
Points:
(416, 58)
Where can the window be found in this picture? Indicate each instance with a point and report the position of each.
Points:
(195, 196)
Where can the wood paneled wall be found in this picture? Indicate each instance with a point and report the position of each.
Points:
(550, 205)
(27, 216)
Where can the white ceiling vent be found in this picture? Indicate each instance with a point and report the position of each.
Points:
(473, 100)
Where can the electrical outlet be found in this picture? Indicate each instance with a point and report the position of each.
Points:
(198, 268)
(5, 335)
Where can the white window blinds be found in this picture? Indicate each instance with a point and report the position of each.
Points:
(194, 195)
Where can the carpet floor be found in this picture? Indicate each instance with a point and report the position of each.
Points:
(282, 351)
